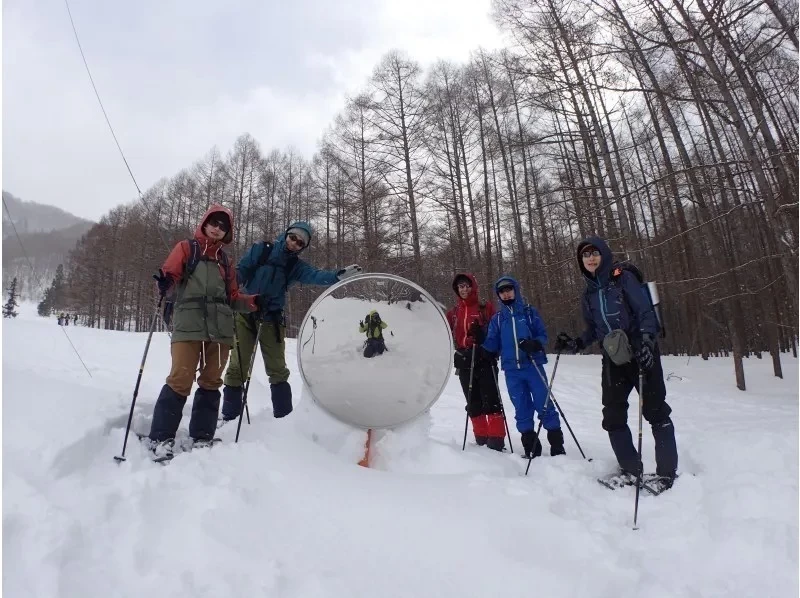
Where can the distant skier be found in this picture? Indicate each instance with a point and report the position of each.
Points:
(484, 406)
(268, 270)
(75, 320)
(517, 332)
(615, 301)
(197, 274)
(60, 319)
(373, 326)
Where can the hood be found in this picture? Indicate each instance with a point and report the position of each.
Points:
(472, 298)
(519, 302)
(280, 242)
(606, 262)
(213, 209)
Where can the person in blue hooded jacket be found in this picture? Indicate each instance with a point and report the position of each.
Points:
(268, 273)
(614, 301)
(518, 334)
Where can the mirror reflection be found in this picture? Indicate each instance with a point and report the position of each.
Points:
(375, 351)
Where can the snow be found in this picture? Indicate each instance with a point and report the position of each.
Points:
(287, 513)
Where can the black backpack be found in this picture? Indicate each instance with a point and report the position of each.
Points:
(616, 272)
(373, 321)
(266, 251)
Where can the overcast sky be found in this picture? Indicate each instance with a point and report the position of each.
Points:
(177, 78)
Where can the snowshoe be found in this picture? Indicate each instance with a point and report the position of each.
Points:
(205, 443)
(618, 479)
(656, 484)
(163, 451)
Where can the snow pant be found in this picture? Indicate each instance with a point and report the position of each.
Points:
(618, 382)
(186, 355)
(528, 393)
(168, 410)
(273, 352)
(484, 406)
(374, 346)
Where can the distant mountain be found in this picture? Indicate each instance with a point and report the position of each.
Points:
(32, 217)
(47, 233)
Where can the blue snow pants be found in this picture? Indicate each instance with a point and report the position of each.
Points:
(528, 394)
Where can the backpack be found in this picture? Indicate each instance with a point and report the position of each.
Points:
(616, 273)
(372, 322)
(266, 251)
(196, 256)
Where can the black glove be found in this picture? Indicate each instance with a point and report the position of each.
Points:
(163, 282)
(530, 345)
(476, 332)
(462, 360)
(361, 323)
(566, 344)
(645, 353)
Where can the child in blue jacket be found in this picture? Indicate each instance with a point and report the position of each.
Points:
(518, 334)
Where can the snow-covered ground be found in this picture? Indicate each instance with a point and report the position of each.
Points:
(287, 513)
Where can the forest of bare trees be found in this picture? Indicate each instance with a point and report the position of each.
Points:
(668, 127)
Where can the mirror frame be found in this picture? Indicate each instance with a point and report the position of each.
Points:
(363, 277)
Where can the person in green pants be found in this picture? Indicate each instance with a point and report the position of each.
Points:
(268, 270)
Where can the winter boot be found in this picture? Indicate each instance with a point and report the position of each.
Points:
(204, 414)
(480, 428)
(666, 449)
(531, 444)
(231, 402)
(556, 440)
(281, 399)
(622, 444)
(166, 415)
(496, 429)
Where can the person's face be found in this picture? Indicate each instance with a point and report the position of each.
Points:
(216, 228)
(464, 289)
(591, 259)
(506, 293)
(294, 243)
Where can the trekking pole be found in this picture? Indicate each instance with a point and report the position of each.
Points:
(121, 457)
(502, 409)
(539, 429)
(560, 412)
(247, 384)
(469, 396)
(239, 354)
(641, 467)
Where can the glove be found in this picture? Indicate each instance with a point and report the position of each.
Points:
(348, 271)
(476, 332)
(163, 282)
(530, 345)
(361, 323)
(251, 302)
(462, 359)
(566, 344)
(645, 353)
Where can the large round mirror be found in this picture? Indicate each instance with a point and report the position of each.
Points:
(375, 351)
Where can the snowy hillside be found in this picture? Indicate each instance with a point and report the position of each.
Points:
(287, 513)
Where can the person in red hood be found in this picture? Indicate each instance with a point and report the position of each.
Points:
(199, 281)
(484, 405)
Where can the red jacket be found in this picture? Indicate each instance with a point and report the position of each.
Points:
(467, 311)
(177, 258)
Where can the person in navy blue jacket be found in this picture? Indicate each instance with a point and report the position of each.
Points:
(615, 300)
(518, 334)
(268, 272)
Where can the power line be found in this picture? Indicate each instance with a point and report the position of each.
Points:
(33, 275)
(108, 122)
